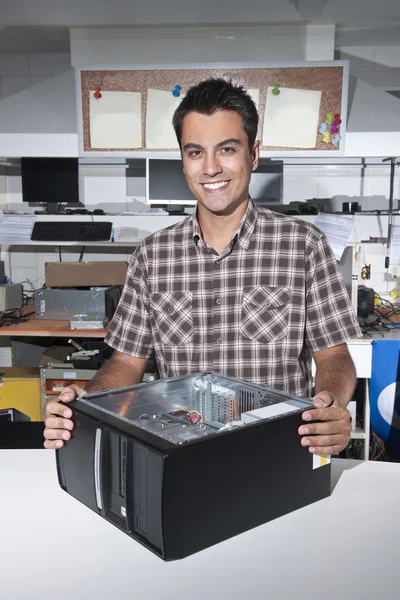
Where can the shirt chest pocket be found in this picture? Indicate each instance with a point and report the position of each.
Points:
(173, 317)
(265, 312)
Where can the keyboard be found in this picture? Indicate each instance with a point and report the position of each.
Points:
(71, 231)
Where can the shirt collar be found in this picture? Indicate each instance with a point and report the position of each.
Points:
(243, 231)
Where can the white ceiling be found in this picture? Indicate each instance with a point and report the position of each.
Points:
(167, 12)
(42, 25)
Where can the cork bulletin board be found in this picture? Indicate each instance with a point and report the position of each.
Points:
(128, 111)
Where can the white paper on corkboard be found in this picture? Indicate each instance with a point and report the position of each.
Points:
(255, 94)
(161, 106)
(291, 118)
(115, 120)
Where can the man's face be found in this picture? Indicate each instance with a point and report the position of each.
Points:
(216, 160)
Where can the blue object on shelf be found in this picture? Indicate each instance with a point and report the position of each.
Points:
(385, 393)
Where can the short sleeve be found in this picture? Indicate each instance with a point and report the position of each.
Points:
(330, 317)
(130, 331)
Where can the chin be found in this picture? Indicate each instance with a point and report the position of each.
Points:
(220, 208)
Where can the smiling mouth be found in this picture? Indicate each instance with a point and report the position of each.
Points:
(217, 185)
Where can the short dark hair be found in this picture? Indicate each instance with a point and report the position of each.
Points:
(215, 94)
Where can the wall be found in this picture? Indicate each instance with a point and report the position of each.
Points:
(20, 71)
(376, 65)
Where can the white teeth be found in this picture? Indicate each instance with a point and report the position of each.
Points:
(215, 186)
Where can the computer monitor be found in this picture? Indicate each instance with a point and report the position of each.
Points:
(167, 183)
(52, 182)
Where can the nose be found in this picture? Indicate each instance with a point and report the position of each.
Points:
(211, 166)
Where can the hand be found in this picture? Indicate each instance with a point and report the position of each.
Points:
(333, 434)
(57, 418)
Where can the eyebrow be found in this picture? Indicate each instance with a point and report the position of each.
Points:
(230, 141)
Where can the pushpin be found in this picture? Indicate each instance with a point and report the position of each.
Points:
(324, 127)
(337, 119)
(334, 128)
(326, 137)
(336, 140)
(275, 90)
(176, 91)
(329, 118)
(97, 94)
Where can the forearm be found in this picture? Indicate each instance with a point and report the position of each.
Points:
(337, 375)
(116, 373)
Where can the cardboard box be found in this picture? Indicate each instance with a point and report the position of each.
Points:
(81, 274)
(20, 389)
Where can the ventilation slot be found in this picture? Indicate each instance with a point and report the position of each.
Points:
(246, 400)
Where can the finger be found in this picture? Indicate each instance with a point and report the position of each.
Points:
(326, 428)
(327, 449)
(53, 444)
(332, 413)
(58, 423)
(55, 408)
(324, 441)
(56, 434)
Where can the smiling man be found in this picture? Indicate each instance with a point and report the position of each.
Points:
(218, 171)
(235, 289)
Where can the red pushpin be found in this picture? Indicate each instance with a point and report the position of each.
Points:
(97, 94)
(337, 119)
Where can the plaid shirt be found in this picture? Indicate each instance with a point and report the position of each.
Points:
(256, 312)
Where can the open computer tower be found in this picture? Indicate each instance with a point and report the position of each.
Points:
(181, 464)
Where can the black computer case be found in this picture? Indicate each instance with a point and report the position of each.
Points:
(184, 463)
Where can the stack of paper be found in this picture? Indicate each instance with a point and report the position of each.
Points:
(16, 229)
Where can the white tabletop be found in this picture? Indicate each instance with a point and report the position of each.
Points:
(53, 547)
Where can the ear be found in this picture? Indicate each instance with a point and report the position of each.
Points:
(255, 155)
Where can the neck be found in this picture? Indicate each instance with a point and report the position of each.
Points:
(217, 229)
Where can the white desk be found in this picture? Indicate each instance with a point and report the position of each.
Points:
(344, 547)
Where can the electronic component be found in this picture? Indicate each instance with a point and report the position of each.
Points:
(266, 412)
(352, 408)
(11, 415)
(10, 296)
(86, 322)
(71, 231)
(366, 271)
(171, 463)
(97, 303)
(365, 301)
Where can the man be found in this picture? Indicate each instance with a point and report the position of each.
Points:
(234, 289)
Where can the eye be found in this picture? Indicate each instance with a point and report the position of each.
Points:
(227, 150)
(194, 153)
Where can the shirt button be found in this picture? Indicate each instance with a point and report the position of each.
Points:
(170, 310)
(219, 341)
(218, 301)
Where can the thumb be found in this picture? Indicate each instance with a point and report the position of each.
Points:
(69, 393)
(323, 399)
